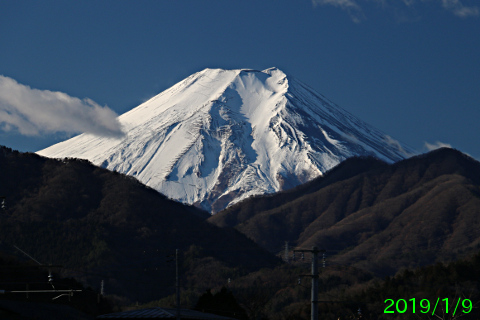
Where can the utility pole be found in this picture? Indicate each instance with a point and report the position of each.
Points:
(177, 284)
(314, 313)
(286, 251)
(314, 296)
(102, 291)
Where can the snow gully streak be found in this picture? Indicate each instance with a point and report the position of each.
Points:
(220, 136)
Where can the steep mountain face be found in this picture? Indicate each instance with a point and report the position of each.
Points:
(220, 136)
(373, 215)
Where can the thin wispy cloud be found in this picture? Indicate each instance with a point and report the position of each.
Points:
(396, 144)
(436, 145)
(34, 112)
(355, 8)
(344, 4)
(351, 6)
(459, 9)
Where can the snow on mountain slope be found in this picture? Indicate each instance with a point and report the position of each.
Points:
(220, 136)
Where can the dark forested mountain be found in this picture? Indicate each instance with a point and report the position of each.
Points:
(369, 215)
(102, 225)
(373, 215)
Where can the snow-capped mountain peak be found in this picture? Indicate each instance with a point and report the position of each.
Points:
(220, 136)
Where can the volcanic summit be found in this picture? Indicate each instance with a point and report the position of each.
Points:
(220, 136)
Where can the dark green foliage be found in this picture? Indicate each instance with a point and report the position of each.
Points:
(274, 293)
(22, 276)
(107, 226)
(369, 215)
(222, 303)
(454, 280)
(248, 208)
(375, 216)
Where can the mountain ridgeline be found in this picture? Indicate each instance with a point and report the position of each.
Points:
(373, 215)
(103, 225)
(221, 136)
(274, 162)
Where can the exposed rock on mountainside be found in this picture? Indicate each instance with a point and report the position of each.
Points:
(220, 136)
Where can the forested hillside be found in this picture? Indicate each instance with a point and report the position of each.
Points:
(372, 215)
(101, 225)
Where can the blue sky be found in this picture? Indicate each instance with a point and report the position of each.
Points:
(409, 67)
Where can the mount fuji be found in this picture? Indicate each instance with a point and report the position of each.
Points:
(220, 136)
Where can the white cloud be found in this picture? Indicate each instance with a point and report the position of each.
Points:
(459, 9)
(344, 4)
(350, 137)
(436, 145)
(408, 3)
(396, 144)
(34, 112)
(356, 12)
(350, 6)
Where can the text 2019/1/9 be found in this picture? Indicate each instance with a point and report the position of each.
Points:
(424, 306)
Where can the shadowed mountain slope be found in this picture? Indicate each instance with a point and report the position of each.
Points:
(376, 216)
(105, 225)
(221, 136)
